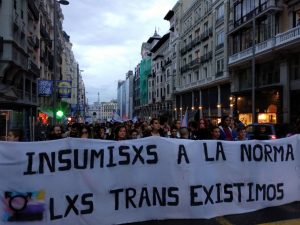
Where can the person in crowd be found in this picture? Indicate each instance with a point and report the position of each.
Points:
(155, 129)
(120, 133)
(101, 133)
(225, 129)
(184, 133)
(73, 130)
(215, 133)
(138, 128)
(134, 134)
(193, 130)
(241, 134)
(166, 130)
(85, 132)
(56, 133)
(177, 123)
(174, 132)
(203, 131)
(15, 134)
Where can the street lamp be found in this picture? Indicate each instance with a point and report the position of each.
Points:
(54, 96)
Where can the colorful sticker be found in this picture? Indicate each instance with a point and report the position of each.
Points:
(23, 206)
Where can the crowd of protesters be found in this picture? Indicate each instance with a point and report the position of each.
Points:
(229, 129)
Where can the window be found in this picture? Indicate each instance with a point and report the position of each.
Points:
(245, 79)
(295, 68)
(220, 67)
(220, 12)
(197, 76)
(197, 54)
(205, 49)
(197, 33)
(237, 13)
(206, 26)
(189, 78)
(204, 72)
(264, 29)
(220, 38)
(190, 58)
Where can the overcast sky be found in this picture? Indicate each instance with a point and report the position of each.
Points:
(107, 36)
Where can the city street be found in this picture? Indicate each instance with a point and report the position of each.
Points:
(282, 215)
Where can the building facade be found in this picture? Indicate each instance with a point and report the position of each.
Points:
(160, 83)
(34, 55)
(202, 84)
(264, 42)
(19, 64)
(125, 96)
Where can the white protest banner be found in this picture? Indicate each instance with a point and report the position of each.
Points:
(93, 182)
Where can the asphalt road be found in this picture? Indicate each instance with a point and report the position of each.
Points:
(281, 215)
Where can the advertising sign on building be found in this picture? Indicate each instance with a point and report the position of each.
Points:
(64, 88)
(45, 88)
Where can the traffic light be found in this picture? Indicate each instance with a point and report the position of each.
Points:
(59, 114)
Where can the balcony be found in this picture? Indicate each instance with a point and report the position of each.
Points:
(16, 21)
(153, 74)
(167, 62)
(32, 67)
(282, 39)
(189, 46)
(194, 63)
(33, 41)
(206, 57)
(204, 35)
(184, 68)
(219, 20)
(287, 37)
(263, 8)
(219, 46)
(219, 74)
(44, 32)
(33, 9)
(196, 41)
(183, 50)
(192, 85)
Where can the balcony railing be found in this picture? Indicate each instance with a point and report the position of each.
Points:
(196, 41)
(270, 44)
(34, 41)
(189, 46)
(34, 9)
(219, 46)
(183, 50)
(206, 57)
(191, 85)
(194, 63)
(167, 62)
(44, 32)
(270, 4)
(184, 68)
(219, 74)
(288, 36)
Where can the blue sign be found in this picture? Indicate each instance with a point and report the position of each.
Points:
(45, 88)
